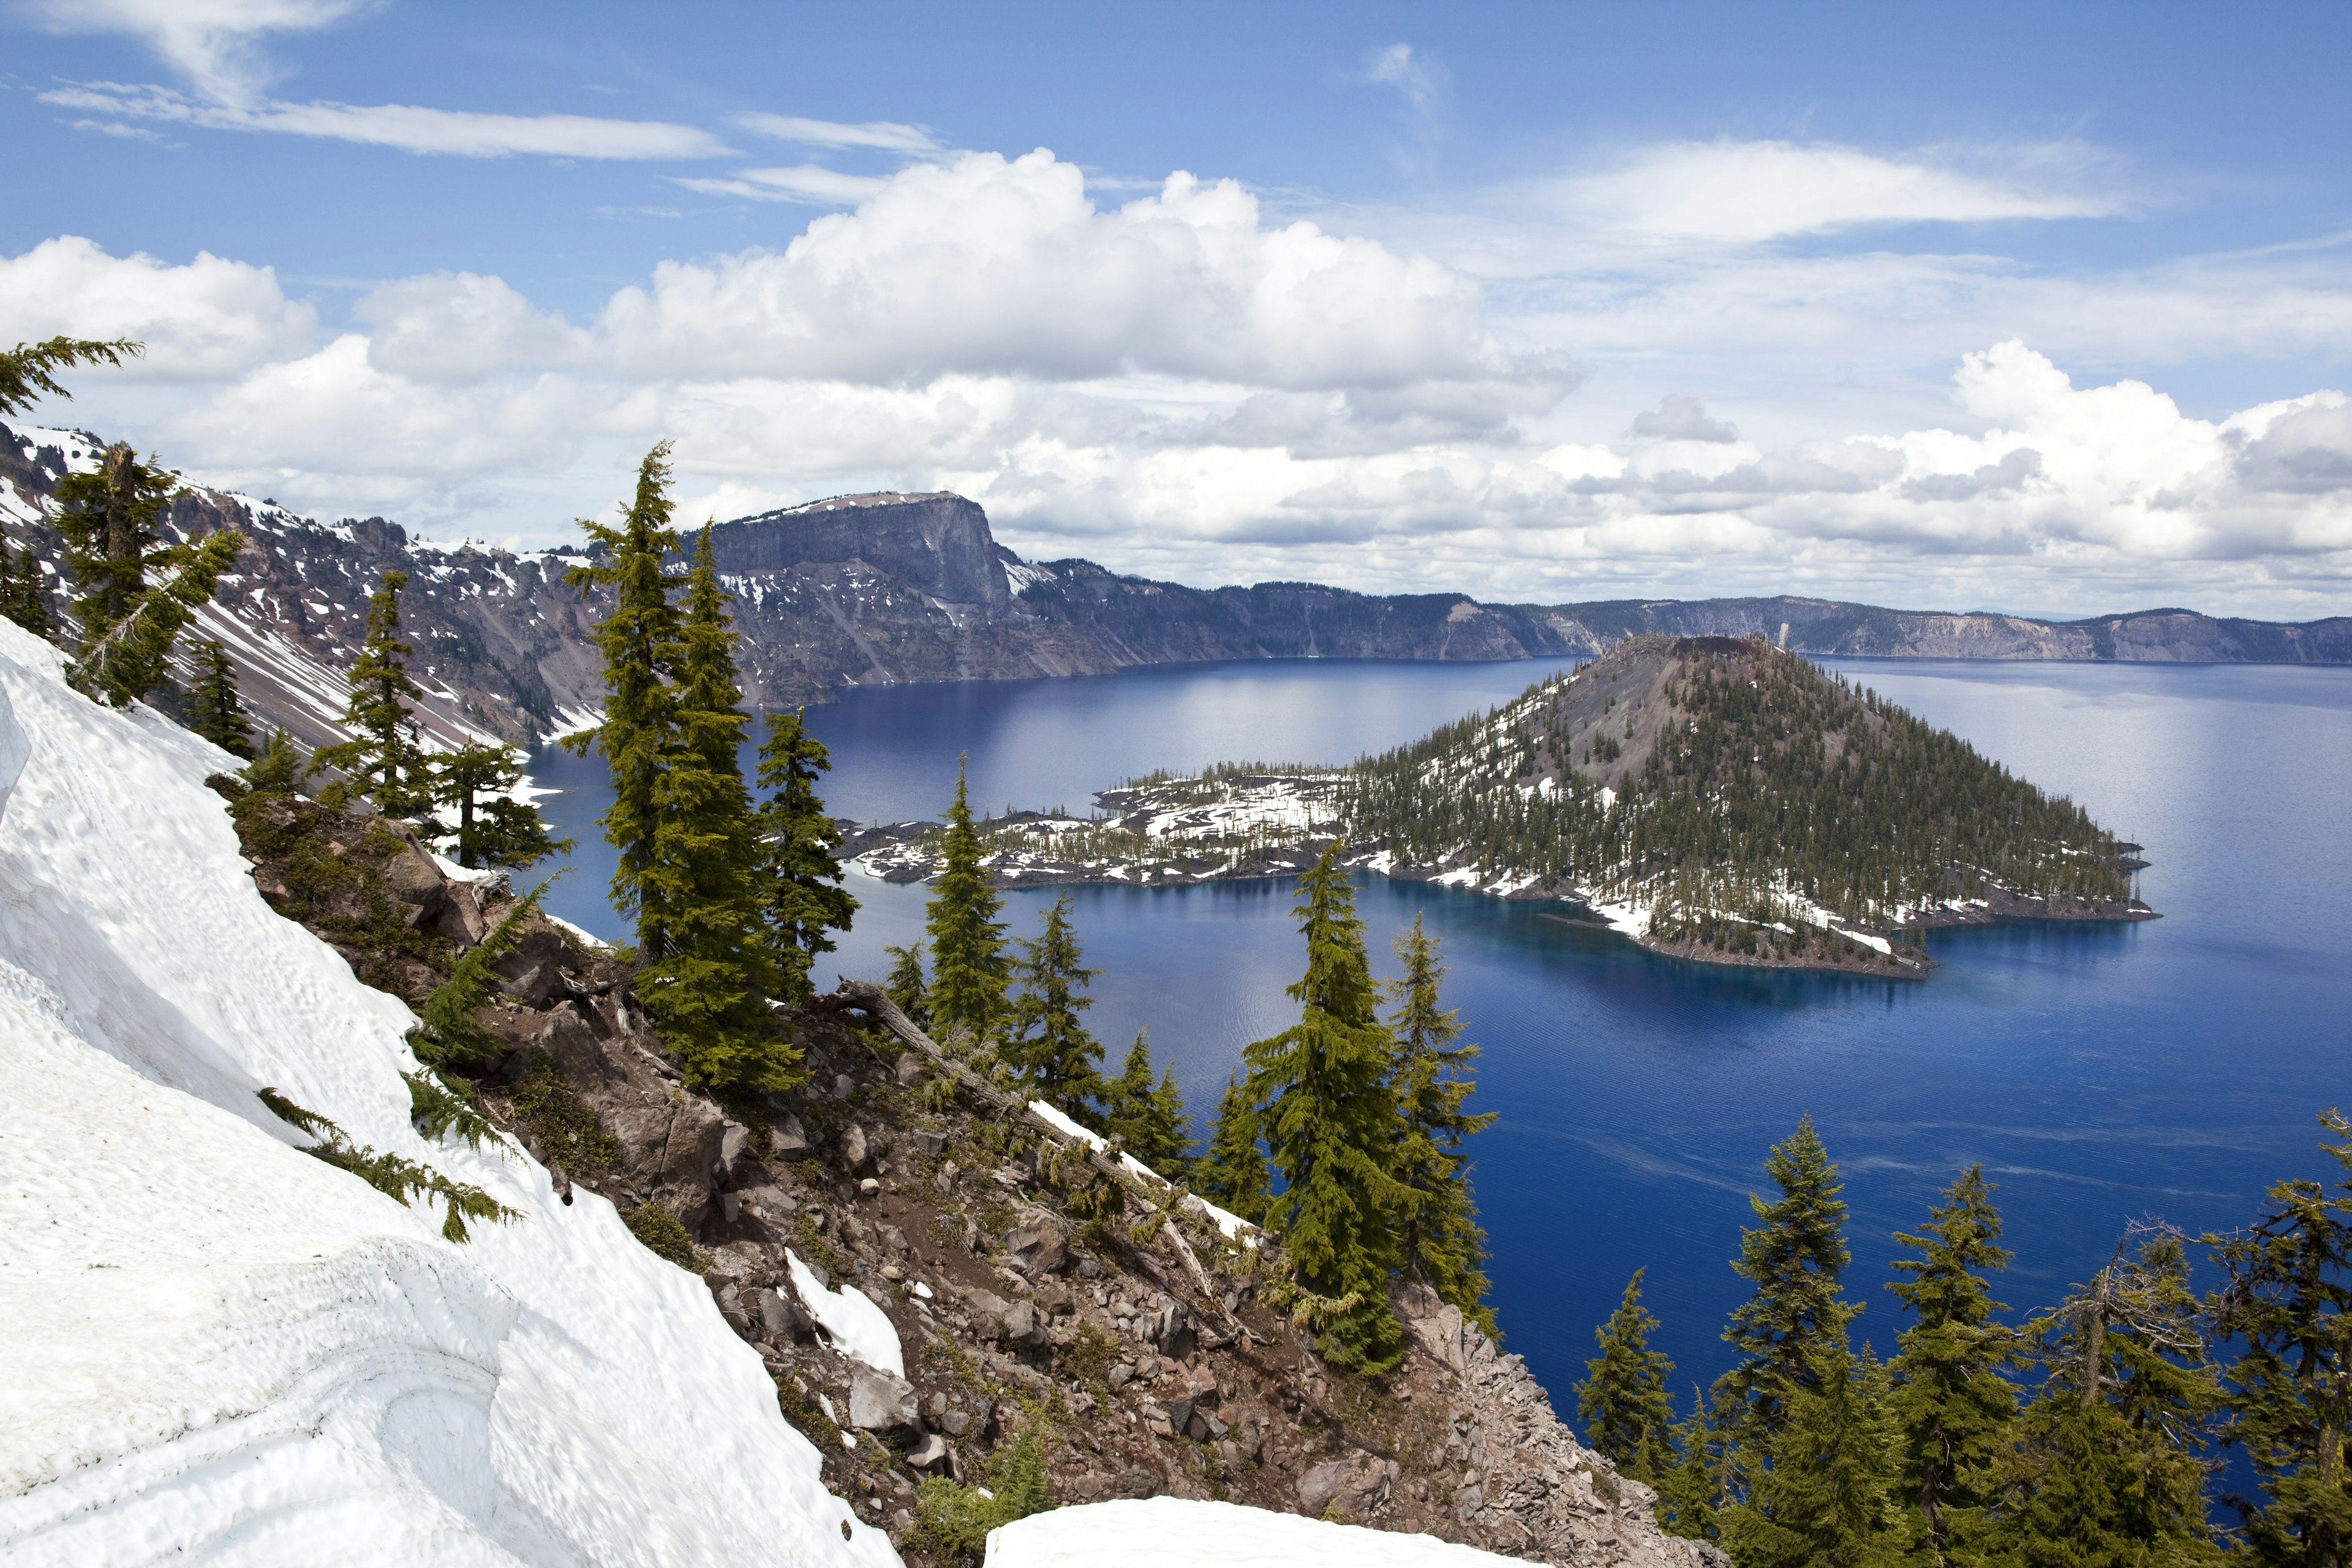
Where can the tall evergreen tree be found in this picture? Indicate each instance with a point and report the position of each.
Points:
(641, 639)
(112, 518)
(24, 599)
(1329, 1123)
(130, 659)
(1230, 1172)
(27, 371)
(2288, 1300)
(1829, 1498)
(1047, 1042)
(493, 828)
(1439, 1239)
(214, 709)
(1952, 1406)
(1148, 1120)
(2104, 1471)
(1627, 1413)
(381, 761)
(709, 988)
(802, 900)
(968, 968)
(905, 983)
(1693, 1487)
(1794, 1258)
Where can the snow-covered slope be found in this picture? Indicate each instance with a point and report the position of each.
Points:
(222, 1349)
(1171, 1533)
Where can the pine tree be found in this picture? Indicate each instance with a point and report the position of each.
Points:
(2288, 1299)
(214, 709)
(1951, 1405)
(279, 770)
(499, 830)
(1692, 1480)
(1148, 1120)
(969, 970)
(1329, 1125)
(1231, 1173)
(26, 371)
(1046, 1043)
(800, 896)
(381, 761)
(1439, 1239)
(1829, 1501)
(641, 641)
(709, 988)
(23, 597)
(109, 518)
(1627, 1413)
(905, 983)
(1794, 1259)
(2103, 1471)
(129, 660)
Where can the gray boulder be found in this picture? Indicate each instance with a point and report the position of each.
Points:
(881, 1401)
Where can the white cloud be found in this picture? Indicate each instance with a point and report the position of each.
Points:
(408, 127)
(807, 184)
(888, 135)
(213, 43)
(209, 319)
(1421, 80)
(462, 328)
(1743, 192)
(1678, 417)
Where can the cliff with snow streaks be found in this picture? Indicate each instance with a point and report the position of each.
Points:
(890, 588)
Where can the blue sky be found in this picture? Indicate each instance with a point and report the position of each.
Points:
(2046, 309)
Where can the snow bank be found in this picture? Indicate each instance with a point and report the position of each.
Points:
(222, 1349)
(1169, 1533)
(850, 1319)
(1233, 1225)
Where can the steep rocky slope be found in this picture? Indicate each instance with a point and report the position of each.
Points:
(913, 1260)
(879, 589)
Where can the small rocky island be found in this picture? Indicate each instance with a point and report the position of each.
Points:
(1716, 799)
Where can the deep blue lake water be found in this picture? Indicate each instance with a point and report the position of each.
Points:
(2098, 1072)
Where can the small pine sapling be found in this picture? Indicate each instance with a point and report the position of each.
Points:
(448, 1032)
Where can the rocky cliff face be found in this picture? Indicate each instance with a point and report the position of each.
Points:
(890, 588)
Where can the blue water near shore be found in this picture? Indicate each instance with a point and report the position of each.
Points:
(2099, 1073)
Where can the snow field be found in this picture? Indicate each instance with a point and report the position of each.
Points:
(1169, 1532)
(224, 1350)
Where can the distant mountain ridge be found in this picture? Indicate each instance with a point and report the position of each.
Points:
(891, 588)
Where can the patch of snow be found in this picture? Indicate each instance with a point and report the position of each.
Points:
(582, 933)
(1174, 1532)
(1231, 1225)
(850, 1319)
(457, 873)
(222, 1349)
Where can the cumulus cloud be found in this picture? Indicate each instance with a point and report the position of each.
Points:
(208, 318)
(461, 328)
(1681, 418)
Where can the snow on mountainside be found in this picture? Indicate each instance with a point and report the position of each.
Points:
(222, 1349)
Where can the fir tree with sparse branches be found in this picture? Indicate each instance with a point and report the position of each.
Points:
(129, 661)
(213, 707)
(905, 983)
(641, 640)
(802, 900)
(1627, 1413)
(970, 972)
(1329, 1125)
(492, 827)
(28, 370)
(382, 761)
(1047, 1042)
(1951, 1405)
(1439, 1239)
(1230, 1172)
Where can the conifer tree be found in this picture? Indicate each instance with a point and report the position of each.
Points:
(2288, 1300)
(381, 761)
(1148, 1120)
(1627, 1413)
(1046, 1043)
(1230, 1172)
(129, 661)
(968, 968)
(1952, 1406)
(1330, 1124)
(1828, 1500)
(640, 638)
(279, 769)
(1692, 1484)
(499, 830)
(23, 597)
(905, 983)
(1440, 1241)
(709, 988)
(801, 899)
(2103, 1471)
(1794, 1258)
(214, 707)
(27, 371)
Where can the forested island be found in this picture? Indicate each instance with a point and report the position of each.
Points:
(1713, 798)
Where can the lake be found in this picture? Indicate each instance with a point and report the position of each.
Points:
(2099, 1073)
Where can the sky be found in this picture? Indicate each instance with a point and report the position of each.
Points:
(2043, 309)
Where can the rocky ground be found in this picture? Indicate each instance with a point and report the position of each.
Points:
(1023, 1308)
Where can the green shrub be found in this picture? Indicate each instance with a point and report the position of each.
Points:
(566, 1130)
(952, 1520)
(664, 1236)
